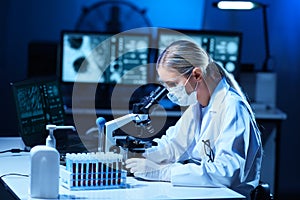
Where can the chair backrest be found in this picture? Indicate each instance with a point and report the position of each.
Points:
(261, 192)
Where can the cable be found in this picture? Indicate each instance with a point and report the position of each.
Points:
(14, 151)
(14, 174)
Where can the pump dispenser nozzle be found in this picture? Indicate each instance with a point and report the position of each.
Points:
(50, 141)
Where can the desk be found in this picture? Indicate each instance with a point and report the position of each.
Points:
(265, 116)
(20, 163)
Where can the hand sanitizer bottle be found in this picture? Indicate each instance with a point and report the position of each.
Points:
(44, 177)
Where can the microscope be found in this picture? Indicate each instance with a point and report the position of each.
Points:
(141, 117)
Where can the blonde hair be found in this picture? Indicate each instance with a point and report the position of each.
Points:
(183, 56)
(178, 57)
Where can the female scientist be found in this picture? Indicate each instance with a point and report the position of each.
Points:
(216, 142)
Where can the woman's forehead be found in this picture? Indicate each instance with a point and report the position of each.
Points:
(165, 74)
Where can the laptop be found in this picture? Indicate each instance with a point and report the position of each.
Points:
(38, 103)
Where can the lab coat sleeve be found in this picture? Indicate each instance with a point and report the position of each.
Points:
(176, 140)
(166, 150)
(236, 154)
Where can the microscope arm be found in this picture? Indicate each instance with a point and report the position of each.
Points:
(113, 125)
(140, 116)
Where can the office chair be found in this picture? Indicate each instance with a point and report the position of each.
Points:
(261, 192)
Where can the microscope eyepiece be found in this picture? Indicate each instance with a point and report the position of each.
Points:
(147, 102)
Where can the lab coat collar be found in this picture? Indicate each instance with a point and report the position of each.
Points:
(218, 95)
(214, 106)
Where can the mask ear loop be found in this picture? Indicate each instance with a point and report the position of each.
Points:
(187, 80)
(197, 82)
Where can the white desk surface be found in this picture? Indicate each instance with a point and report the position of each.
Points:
(20, 163)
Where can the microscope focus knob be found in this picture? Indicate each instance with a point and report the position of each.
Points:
(115, 149)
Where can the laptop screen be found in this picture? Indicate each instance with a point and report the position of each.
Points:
(38, 103)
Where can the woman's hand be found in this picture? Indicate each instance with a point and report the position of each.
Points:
(149, 170)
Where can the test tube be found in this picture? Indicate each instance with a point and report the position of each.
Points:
(76, 165)
(100, 167)
(100, 121)
(119, 169)
(69, 166)
(114, 170)
(79, 173)
(109, 169)
(92, 172)
(105, 170)
(84, 163)
(88, 170)
(95, 170)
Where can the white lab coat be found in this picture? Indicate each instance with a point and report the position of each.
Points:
(233, 136)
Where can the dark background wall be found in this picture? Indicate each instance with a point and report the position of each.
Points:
(31, 20)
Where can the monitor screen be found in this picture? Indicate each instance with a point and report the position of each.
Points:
(38, 103)
(223, 47)
(94, 57)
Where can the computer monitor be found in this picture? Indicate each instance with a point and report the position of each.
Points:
(38, 103)
(224, 47)
(95, 57)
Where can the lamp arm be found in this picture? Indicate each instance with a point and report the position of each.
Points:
(266, 34)
(249, 5)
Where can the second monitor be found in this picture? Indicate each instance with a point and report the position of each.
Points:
(223, 47)
(94, 57)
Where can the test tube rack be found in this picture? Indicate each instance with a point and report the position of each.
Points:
(91, 171)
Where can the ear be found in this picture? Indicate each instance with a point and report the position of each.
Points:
(197, 73)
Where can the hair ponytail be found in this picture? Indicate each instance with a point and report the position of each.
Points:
(234, 84)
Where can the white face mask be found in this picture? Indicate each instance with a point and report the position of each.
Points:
(179, 96)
